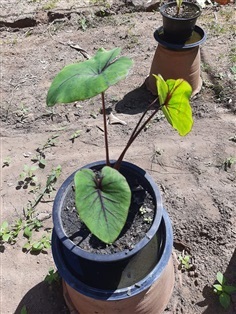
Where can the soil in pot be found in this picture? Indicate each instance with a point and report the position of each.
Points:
(140, 217)
(185, 11)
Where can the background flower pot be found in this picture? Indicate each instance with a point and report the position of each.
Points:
(172, 64)
(107, 271)
(148, 295)
(178, 29)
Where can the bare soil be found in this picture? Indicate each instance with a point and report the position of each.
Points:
(196, 174)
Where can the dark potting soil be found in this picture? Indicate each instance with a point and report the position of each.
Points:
(139, 221)
(184, 12)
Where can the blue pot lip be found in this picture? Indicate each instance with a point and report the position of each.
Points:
(122, 293)
(172, 46)
(173, 3)
(70, 245)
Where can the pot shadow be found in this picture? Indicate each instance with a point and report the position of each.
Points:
(135, 101)
(44, 299)
(212, 299)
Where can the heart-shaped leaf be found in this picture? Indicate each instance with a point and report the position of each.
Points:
(102, 201)
(174, 98)
(87, 79)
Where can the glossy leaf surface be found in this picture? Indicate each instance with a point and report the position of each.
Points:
(87, 79)
(174, 96)
(102, 201)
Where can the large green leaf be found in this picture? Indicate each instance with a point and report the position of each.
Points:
(174, 96)
(87, 79)
(102, 201)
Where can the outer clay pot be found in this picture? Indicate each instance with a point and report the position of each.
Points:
(175, 64)
(179, 29)
(150, 295)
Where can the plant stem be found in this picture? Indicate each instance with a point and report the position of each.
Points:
(137, 130)
(105, 129)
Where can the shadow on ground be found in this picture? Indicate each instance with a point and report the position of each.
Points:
(135, 101)
(44, 299)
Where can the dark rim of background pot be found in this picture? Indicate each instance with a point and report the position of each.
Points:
(58, 226)
(159, 36)
(123, 293)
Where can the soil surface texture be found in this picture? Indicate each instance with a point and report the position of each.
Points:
(196, 174)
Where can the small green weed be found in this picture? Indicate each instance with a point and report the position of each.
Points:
(21, 113)
(8, 234)
(38, 246)
(223, 290)
(185, 261)
(50, 5)
(23, 310)
(75, 135)
(227, 164)
(232, 55)
(52, 276)
(6, 162)
(27, 177)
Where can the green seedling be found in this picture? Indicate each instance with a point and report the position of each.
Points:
(38, 246)
(30, 225)
(51, 141)
(8, 233)
(108, 189)
(228, 163)
(22, 112)
(6, 162)
(75, 135)
(47, 190)
(52, 276)
(40, 159)
(142, 210)
(5, 233)
(185, 261)
(178, 6)
(23, 310)
(223, 290)
(27, 177)
(148, 220)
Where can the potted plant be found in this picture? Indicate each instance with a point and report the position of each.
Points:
(178, 51)
(107, 265)
(179, 19)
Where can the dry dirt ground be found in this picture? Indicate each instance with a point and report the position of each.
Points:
(196, 174)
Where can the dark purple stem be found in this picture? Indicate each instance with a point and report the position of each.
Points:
(105, 129)
(137, 130)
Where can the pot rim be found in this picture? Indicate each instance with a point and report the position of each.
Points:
(184, 46)
(122, 293)
(70, 245)
(171, 4)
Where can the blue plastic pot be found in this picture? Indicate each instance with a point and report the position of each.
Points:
(102, 271)
(165, 235)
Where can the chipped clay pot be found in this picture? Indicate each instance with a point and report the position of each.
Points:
(135, 281)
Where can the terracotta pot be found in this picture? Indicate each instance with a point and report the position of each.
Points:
(175, 64)
(150, 295)
(179, 29)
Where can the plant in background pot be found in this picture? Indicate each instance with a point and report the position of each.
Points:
(112, 239)
(179, 19)
(178, 51)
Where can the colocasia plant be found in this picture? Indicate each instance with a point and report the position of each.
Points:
(103, 199)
